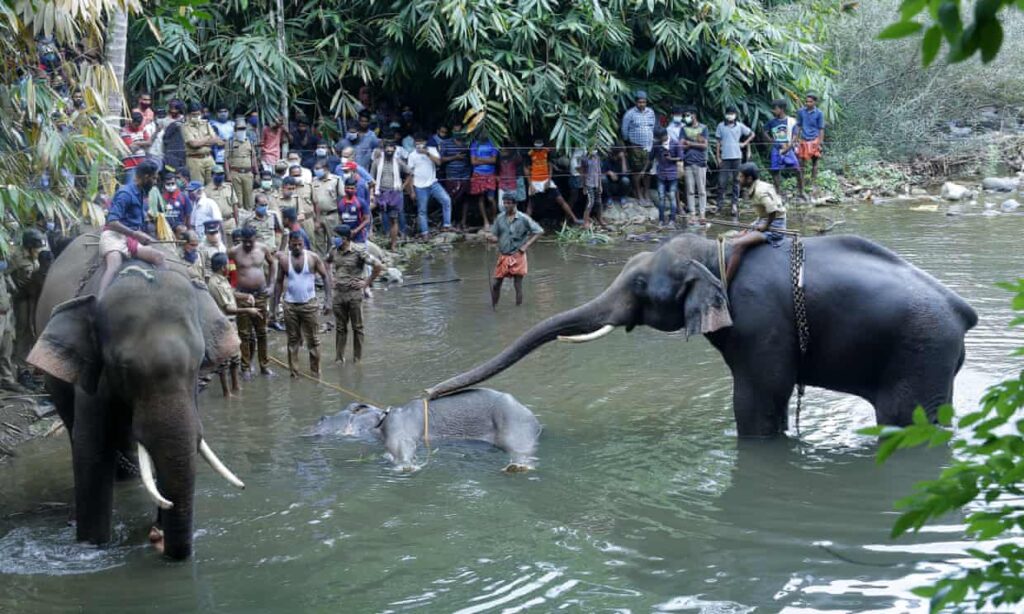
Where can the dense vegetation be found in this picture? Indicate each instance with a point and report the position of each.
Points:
(566, 69)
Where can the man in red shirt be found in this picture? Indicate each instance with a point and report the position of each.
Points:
(271, 139)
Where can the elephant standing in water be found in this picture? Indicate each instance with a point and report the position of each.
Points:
(123, 370)
(880, 328)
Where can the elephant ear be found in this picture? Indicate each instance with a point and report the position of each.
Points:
(706, 308)
(220, 339)
(68, 349)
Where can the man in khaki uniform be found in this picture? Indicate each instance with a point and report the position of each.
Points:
(327, 190)
(226, 298)
(266, 223)
(199, 137)
(223, 193)
(8, 377)
(241, 158)
(26, 284)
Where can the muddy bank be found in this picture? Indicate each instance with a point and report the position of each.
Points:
(24, 417)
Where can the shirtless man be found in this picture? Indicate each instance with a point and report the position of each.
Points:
(250, 256)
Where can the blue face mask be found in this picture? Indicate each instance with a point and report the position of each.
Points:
(318, 172)
(218, 179)
(191, 257)
(337, 243)
(261, 211)
(254, 121)
(50, 226)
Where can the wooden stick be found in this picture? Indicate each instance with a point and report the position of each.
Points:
(746, 227)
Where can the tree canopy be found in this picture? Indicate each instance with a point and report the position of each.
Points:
(564, 69)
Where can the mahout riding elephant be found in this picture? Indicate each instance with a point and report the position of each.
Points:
(879, 327)
(123, 372)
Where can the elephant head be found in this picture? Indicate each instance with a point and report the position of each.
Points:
(669, 289)
(134, 358)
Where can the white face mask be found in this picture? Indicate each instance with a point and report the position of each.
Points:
(730, 117)
(688, 119)
(677, 119)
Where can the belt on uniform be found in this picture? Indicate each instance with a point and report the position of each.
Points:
(247, 171)
(205, 155)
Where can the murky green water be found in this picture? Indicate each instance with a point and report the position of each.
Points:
(644, 499)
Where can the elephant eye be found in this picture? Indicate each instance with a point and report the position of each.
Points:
(640, 284)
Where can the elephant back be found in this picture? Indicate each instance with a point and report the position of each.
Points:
(77, 271)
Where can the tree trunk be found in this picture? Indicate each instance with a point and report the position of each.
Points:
(114, 54)
(282, 48)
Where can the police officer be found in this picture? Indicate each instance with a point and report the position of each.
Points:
(26, 285)
(225, 129)
(200, 138)
(241, 160)
(223, 193)
(327, 191)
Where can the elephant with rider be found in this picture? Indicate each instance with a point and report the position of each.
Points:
(878, 327)
(123, 371)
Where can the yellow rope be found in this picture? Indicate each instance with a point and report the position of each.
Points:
(328, 384)
(721, 263)
(426, 424)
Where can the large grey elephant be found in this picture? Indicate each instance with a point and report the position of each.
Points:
(123, 373)
(880, 328)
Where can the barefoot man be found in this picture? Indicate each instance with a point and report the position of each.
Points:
(296, 272)
(250, 258)
(514, 232)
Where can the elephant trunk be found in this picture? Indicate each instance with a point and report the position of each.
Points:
(596, 315)
(176, 476)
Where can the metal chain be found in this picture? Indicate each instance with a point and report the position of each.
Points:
(803, 333)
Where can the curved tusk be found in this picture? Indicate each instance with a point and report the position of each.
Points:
(597, 334)
(146, 469)
(218, 466)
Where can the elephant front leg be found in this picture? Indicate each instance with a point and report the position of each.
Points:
(760, 405)
(94, 459)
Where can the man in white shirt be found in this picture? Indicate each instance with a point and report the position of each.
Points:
(423, 163)
(204, 208)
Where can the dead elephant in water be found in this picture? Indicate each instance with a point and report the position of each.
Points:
(479, 414)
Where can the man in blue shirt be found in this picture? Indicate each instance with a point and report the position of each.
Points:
(122, 236)
(484, 182)
(810, 134)
(781, 132)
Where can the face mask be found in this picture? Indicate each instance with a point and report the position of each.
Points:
(730, 117)
(171, 187)
(677, 119)
(253, 121)
(218, 179)
(191, 256)
(143, 105)
(195, 119)
(353, 137)
(538, 144)
(337, 241)
(261, 210)
(322, 153)
(50, 226)
(266, 184)
(181, 183)
(688, 119)
(318, 173)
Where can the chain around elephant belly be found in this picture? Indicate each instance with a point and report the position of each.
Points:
(799, 305)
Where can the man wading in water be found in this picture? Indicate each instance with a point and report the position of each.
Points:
(296, 270)
(514, 232)
(250, 256)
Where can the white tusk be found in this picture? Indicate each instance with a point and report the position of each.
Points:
(146, 468)
(218, 466)
(597, 334)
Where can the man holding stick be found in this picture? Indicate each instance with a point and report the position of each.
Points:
(770, 225)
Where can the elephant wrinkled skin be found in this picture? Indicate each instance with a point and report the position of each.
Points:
(123, 373)
(880, 328)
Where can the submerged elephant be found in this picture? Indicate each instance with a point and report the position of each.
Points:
(880, 328)
(123, 373)
(478, 415)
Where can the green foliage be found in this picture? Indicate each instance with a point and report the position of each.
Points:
(566, 69)
(47, 168)
(578, 235)
(984, 35)
(985, 479)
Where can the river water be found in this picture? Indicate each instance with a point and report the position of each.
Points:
(643, 499)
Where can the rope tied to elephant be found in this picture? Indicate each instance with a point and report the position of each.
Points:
(803, 332)
(721, 265)
(340, 389)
